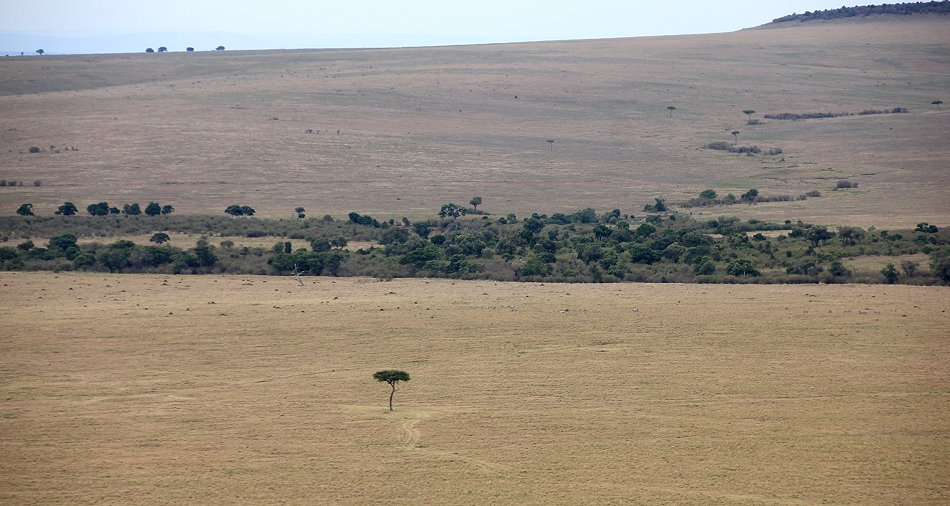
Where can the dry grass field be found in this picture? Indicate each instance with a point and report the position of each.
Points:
(223, 389)
(398, 132)
(147, 389)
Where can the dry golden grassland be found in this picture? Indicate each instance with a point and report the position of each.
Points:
(398, 132)
(152, 389)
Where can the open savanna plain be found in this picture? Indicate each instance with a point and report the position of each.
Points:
(548, 126)
(215, 389)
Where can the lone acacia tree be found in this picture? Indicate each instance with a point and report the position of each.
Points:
(392, 377)
(937, 103)
(671, 109)
(476, 201)
(735, 135)
(748, 112)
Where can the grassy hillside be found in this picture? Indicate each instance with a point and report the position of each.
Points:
(398, 132)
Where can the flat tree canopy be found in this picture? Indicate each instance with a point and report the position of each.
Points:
(392, 377)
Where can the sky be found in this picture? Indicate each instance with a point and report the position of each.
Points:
(85, 26)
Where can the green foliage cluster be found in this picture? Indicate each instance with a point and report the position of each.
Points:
(452, 210)
(658, 207)
(789, 116)
(747, 150)
(220, 225)
(583, 246)
(67, 209)
(134, 209)
(64, 253)
(890, 274)
(940, 264)
(239, 210)
(367, 220)
(314, 263)
(708, 198)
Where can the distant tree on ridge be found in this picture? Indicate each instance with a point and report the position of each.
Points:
(100, 209)
(67, 209)
(153, 209)
(132, 209)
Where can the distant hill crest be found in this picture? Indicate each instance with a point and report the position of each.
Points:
(904, 9)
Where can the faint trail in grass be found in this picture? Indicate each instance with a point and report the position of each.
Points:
(412, 433)
(412, 437)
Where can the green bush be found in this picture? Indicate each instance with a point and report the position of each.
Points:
(940, 264)
(742, 267)
(890, 274)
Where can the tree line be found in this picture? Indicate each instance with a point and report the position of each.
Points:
(904, 9)
(583, 246)
(64, 252)
(103, 209)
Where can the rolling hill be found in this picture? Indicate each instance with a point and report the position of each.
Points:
(547, 126)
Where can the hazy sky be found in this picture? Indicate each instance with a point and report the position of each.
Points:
(319, 23)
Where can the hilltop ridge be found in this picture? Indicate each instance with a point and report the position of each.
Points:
(905, 9)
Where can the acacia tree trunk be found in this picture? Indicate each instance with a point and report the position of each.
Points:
(391, 394)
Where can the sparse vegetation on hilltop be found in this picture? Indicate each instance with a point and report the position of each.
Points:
(707, 199)
(748, 150)
(903, 9)
(820, 115)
